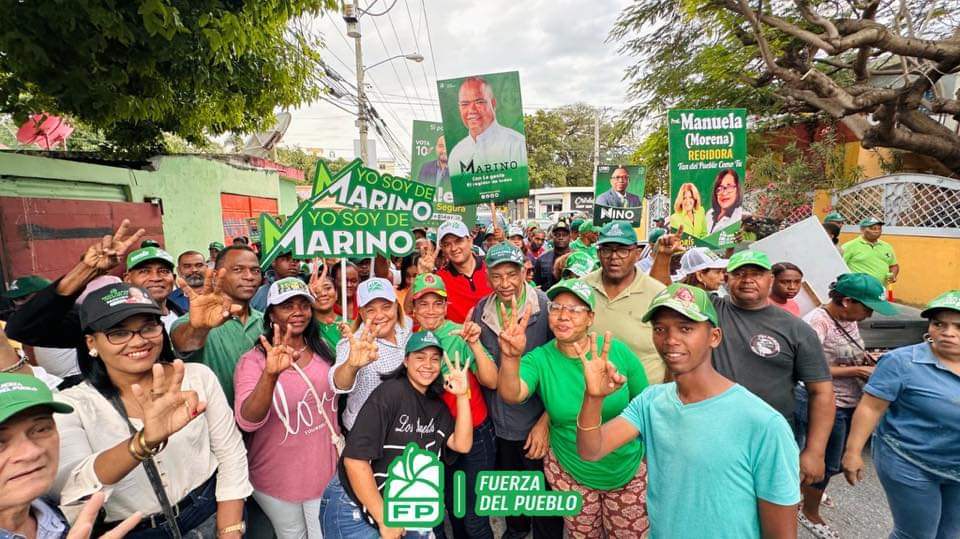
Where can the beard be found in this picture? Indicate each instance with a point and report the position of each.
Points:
(195, 280)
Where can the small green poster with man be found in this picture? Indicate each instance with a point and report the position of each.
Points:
(708, 160)
(485, 138)
(618, 194)
(429, 165)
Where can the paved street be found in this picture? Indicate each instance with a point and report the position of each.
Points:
(859, 512)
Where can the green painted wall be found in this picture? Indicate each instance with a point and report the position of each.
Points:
(188, 186)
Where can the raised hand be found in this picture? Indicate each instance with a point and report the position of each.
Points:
(279, 354)
(671, 243)
(363, 351)
(513, 334)
(455, 381)
(107, 253)
(470, 332)
(211, 307)
(316, 279)
(499, 236)
(427, 262)
(167, 408)
(600, 376)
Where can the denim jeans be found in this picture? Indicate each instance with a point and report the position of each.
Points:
(340, 518)
(836, 443)
(482, 456)
(199, 521)
(924, 505)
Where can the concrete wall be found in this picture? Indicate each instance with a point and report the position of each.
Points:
(188, 187)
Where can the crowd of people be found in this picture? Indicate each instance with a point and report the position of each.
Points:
(677, 389)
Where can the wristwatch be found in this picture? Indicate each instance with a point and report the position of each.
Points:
(240, 527)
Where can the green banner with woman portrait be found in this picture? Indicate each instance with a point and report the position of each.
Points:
(484, 134)
(429, 165)
(708, 160)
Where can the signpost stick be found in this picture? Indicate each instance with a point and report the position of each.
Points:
(343, 287)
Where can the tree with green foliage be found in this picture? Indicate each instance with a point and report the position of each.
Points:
(135, 70)
(560, 144)
(877, 66)
(295, 156)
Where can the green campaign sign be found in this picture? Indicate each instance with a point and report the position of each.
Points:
(485, 138)
(429, 165)
(708, 159)
(618, 194)
(379, 214)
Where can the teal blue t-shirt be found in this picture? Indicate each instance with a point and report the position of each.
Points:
(708, 462)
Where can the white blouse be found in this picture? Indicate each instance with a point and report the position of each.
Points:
(210, 443)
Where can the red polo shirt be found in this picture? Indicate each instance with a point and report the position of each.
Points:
(464, 291)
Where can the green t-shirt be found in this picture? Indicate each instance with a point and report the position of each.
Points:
(558, 380)
(224, 346)
(873, 259)
(330, 333)
(576, 245)
(453, 344)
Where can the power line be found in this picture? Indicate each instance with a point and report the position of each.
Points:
(406, 65)
(423, 69)
(433, 56)
(393, 67)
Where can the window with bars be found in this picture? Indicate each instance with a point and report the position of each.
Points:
(920, 204)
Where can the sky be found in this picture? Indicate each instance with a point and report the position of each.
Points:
(559, 47)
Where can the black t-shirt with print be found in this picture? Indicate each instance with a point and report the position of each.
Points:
(768, 351)
(394, 415)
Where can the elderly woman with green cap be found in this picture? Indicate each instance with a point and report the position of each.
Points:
(612, 487)
(405, 409)
(914, 394)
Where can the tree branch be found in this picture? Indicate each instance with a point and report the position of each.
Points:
(812, 16)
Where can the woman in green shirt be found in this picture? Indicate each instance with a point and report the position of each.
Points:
(688, 212)
(325, 291)
(614, 487)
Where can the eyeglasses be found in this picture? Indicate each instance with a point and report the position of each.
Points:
(622, 251)
(557, 308)
(726, 188)
(123, 336)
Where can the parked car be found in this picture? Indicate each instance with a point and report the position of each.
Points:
(887, 332)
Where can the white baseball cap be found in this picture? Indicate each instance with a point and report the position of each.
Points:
(698, 259)
(283, 289)
(514, 230)
(375, 288)
(453, 226)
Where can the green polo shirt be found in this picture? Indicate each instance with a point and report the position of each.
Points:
(225, 344)
(622, 317)
(873, 259)
(330, 333)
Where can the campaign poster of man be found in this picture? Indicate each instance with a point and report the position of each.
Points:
(485, 138)
(618, 194)
(429, 165)
(708, 160)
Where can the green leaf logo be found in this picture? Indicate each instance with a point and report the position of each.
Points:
(413, 494)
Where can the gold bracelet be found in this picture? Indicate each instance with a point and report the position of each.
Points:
(581, 427)
(240, 527)
(142, 442)
(134, 452)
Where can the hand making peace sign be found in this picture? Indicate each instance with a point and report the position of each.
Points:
(211, 307)
(427, 261)
(317, 278)
(280, 355)
(600, 376)
(513, 334)
(363, 351)
(470, 332)
(167, 408)
(455, 381)
(107, 253)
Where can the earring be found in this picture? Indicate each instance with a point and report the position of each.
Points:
(93, 352)
(926, 337)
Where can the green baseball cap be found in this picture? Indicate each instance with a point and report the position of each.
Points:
(21, 391)
(420, 340)
(947, 300)
(834, 217)
(587, 227)
(749, 257)
(655, 235)
(428, 283)
(579, 263)
(215, 245)
(692, 302)
(620, 232)
(502, 253)
(575, 224)
(24, 286)
(867, 290)
(576, 287)
(147, 254)
(870, 221)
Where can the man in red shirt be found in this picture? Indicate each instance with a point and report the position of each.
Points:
(465, 275)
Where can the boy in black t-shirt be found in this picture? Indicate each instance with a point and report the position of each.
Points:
(405, 408)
